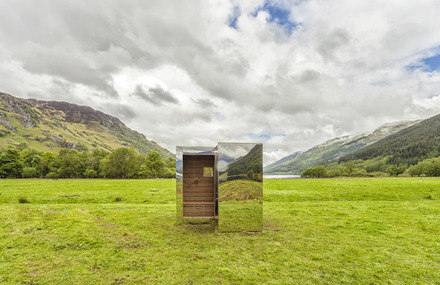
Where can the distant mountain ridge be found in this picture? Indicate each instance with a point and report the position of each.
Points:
(408, 146)
(282, 160)
(51, 125)
(334, 149)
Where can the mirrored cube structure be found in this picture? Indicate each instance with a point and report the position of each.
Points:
(224, 183)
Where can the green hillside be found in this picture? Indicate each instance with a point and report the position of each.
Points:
(334, 149)
(50, 126)
(408, 146)
(249, 165)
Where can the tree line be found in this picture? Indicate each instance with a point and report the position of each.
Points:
(380, 166)
(70, 163)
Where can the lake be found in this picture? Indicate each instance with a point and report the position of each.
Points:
(267, 176)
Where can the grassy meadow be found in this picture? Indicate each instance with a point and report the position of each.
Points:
(324, 231)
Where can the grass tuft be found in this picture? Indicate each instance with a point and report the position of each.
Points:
(23, 200)
(118, 199)
(429, 197)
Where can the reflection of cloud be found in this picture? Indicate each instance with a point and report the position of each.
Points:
(222, 165)
(232, 151)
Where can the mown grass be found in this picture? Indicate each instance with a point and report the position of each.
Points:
(240, 190)
(342, 231)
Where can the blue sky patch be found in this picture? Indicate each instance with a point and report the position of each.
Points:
(278, 15)
(428, 64)
(432, 63)
(233, 18)
(263, 136)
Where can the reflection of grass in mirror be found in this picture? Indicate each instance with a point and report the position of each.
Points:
(240, 190)
(241, 216)
(179, 201)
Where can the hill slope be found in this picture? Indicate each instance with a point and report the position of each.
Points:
(50, 125)
(407, 146)
(250, 162)
(334, 149)
(282, 160)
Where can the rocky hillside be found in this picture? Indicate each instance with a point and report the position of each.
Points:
(334, 149)
(50, 125)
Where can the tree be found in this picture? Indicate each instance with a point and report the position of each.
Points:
(395, 170)
(415, 170)
(11, 164)
(121, 163)
(155, 164)
(317, 171)
(93, 163)
(44, 166)
(432, 167)
(69, 163)
(170, 162)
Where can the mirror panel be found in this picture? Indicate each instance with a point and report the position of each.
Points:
(240, 187)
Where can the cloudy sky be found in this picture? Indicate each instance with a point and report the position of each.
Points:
(290, 74)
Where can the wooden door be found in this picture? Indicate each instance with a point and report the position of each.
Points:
(198, 186)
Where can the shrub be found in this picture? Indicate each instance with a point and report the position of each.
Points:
(90, 173)
(395, 170)
(52, 174)
(317, 171)
(30, 172)
(377, 174)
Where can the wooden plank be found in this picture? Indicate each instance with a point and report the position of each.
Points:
(198, 210)
(198, 203)
(198, 191)
(189, 197)
(200, 186)
(199, 199)
(198, 194)
(192, 176)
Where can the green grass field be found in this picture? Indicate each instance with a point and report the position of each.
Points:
(328, 231)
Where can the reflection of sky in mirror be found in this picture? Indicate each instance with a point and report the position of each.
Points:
(235, 150)
(222, 165)
(196, 150)
(190, 150)
(229, 152)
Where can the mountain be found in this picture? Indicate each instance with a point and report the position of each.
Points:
(50, 125)
(408, 146)
(251, 162)
(282, 160)
(334, 149)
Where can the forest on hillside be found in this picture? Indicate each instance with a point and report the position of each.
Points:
(70, 163)
(406, 147)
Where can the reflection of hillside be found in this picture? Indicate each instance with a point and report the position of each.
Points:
(240, 190)
(250, 165)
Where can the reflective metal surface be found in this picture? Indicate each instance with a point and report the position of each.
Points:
(180, 152)
(240, 187)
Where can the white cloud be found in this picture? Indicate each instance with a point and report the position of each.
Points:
(345, 68)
